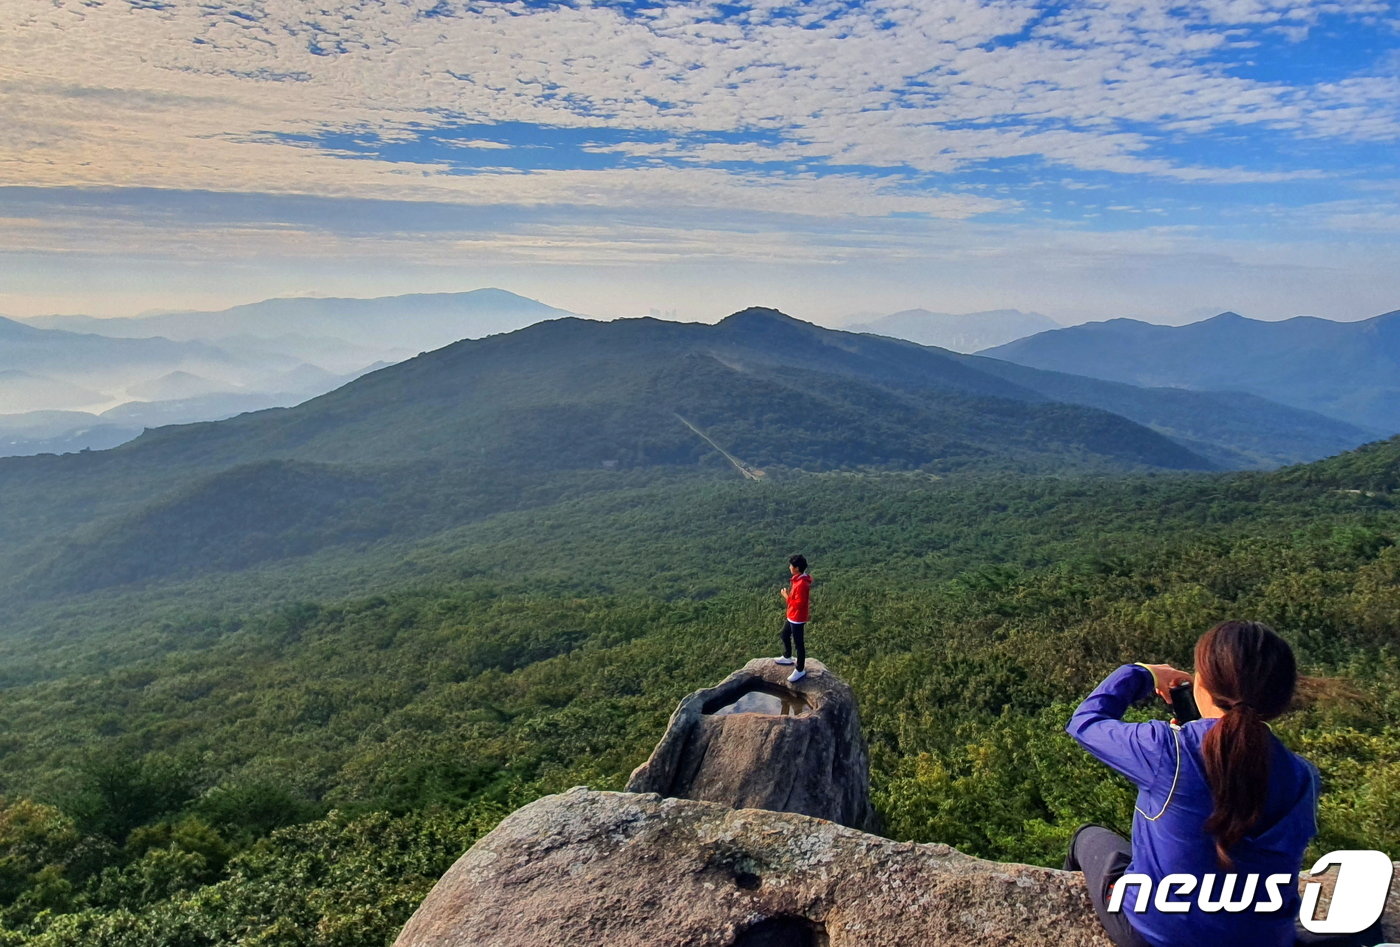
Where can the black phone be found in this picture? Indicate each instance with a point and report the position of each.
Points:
(1183, 703)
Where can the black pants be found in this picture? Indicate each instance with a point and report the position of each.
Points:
(792, 631)
(1103, 855)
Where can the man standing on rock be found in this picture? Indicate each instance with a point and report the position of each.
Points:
(796, 597)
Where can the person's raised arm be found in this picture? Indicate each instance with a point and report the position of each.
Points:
(1133, 749)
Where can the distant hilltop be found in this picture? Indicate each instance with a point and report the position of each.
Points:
(90, 383)
(407, 324)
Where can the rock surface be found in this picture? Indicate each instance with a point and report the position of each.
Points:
(807, 756)
(689, 858)
(638, 870)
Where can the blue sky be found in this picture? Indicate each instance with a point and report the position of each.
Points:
(1086, 160)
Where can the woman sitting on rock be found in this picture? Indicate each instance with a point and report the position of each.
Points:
(1216, 796)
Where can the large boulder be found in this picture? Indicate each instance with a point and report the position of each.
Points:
(628, 870)
(754, 741)
(689, 857)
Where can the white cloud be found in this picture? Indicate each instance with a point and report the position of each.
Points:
(1377, 222)
(738, 139)
(203, 95)
(475, 143)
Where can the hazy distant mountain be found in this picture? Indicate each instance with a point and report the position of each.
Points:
(314, 378)
(26, 391)
(1346, 370)
(291, 388)
(57, 432)
(968, 332)
(315, 327)
(47, 370)
(61, 432)
(1232, 429)
(508, 421)
(333, 356)
(13, 331)
(44, 423)
(101, 362)
(64, 432)
(210, 407)
(177, 385)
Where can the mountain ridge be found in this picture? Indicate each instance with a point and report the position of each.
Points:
(514, 420)
(415, 321)
(467, 425)
(1345, 370)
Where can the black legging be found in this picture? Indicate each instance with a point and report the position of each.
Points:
(1103, 855)
(793, 630)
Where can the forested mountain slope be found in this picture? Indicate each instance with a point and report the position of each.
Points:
(512, 420)
(196, 771)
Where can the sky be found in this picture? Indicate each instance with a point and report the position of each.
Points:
(829, 158)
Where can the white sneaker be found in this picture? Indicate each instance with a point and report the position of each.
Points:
(796, 676)
(784, 661)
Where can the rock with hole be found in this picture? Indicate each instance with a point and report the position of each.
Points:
(755, 741)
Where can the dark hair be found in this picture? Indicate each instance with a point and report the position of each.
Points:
(799, 561)
(1250, 673)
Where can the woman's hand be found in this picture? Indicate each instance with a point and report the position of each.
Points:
(1165, 677)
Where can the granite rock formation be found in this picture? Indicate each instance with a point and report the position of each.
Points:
(688, 857)
(754, 741)
(639, 870)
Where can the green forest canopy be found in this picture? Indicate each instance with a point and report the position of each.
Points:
(292, 756)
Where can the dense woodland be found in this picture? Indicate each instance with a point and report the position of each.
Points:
(291, 754)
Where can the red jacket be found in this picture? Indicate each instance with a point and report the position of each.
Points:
(797, 597)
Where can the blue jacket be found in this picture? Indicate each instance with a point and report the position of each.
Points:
(1176, 840)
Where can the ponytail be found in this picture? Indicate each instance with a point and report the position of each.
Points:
(1250, 673)
(1236, 752)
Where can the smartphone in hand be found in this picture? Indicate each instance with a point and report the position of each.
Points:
(1183, 703)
